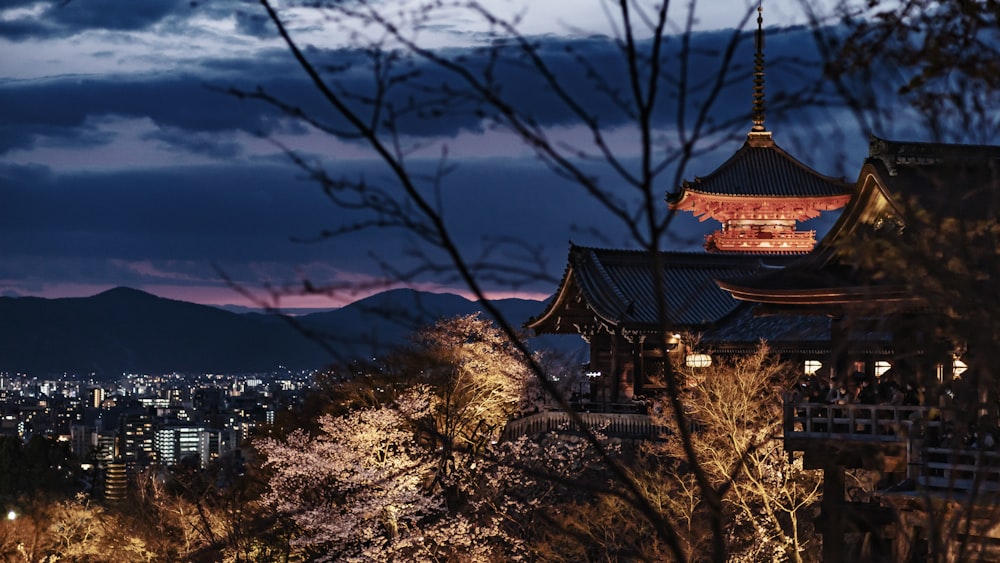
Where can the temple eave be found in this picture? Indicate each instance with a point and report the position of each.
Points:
(727, 207)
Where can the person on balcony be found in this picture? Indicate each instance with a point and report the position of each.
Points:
(839, 395)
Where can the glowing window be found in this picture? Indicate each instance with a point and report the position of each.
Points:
(812, 366)
(958, 367)
(698, 360)
(881, 367)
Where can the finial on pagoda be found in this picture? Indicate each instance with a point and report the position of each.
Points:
(758, 131)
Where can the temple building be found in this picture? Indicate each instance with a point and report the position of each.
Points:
(907, 275)
(632, 307)
(902, 289)
(761, 192)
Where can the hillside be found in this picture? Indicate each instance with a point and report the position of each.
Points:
(126, 330)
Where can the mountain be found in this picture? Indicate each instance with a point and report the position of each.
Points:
(126, 330)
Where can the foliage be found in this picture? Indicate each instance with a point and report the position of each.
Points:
(769, 500)
(359, 490)
(478, 376)
(72, 529)
(425, 475)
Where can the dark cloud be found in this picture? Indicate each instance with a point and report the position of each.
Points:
(109, 14)
(60, 107)
(62, 19)
(16, 30)
(589, 69)
(255, 24)
(260, 214)
(195, 143)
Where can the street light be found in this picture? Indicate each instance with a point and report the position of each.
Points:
(11, 515)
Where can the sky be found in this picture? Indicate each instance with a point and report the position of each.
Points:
(125, 161)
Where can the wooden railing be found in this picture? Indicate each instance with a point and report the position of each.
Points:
(950, 469)
(957, 469)
(742, 239)
(869, 423)
(635, 426)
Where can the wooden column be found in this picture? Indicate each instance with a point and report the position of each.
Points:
(638, 364)
(833, 512)
(840, 349)
(616, 365)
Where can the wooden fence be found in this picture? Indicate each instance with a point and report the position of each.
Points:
(636, 426)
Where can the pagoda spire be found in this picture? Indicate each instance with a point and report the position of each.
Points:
(758, 132)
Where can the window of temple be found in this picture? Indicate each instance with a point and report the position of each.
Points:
(812, 366)
(698, 360)
(881, 367)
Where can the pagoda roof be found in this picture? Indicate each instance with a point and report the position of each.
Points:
(943, 181)
(760, 168)
(617, 288)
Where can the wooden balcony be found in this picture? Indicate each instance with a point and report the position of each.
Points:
(620, 425)
(914, 435)
(746, 240)
(858, 423)
(959, 470)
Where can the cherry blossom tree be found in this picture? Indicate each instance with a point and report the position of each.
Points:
(362, 489)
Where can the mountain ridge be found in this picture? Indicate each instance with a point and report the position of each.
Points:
(126, 330)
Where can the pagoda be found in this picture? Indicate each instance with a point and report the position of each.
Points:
(631, 306)
(761, 192)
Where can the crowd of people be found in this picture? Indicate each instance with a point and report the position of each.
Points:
(941, 427)
(860, 388)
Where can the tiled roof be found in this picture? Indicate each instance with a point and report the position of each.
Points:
(765, 171)
(943, 181)
(742, 331)
(619, 285)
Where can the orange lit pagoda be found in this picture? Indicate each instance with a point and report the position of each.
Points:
(761, 192)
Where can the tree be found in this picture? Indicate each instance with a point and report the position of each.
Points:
(360, 490)
(417, 469)
(479, 382)
(770, 500)
(737, 407)
(935, 62)
(81, 531)
(42, 466)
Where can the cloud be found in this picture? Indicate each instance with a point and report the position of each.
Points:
(200, 216)
(588, 69)
(195, 142)
(157, 177)
(58, 18)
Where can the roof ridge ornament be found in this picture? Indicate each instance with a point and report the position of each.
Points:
(759, 135)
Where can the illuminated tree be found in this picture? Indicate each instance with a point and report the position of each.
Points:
(769, 501)
(478, 378)
(362, 489)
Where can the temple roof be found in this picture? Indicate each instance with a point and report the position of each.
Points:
(617, 288)
(898, 182)
(743, 330)
(760, 168)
